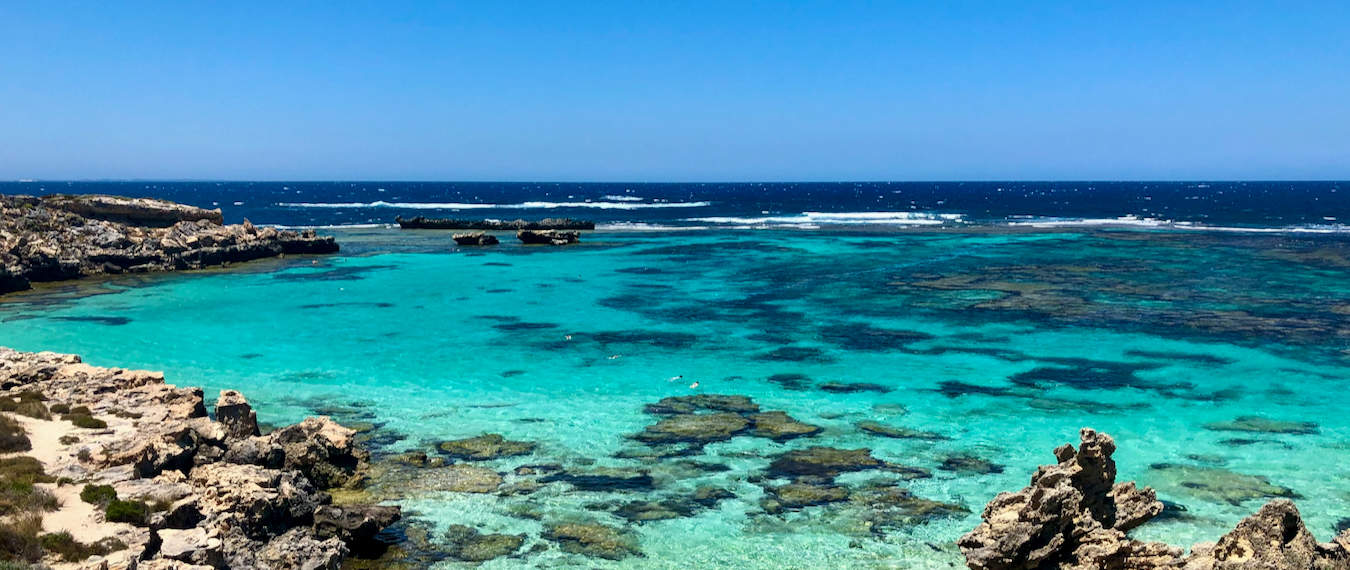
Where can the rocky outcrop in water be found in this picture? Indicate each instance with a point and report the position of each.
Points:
(1074, 515)
(423, 223)
(54, 238)
(548, 237)
(184, 489)
(475, 238)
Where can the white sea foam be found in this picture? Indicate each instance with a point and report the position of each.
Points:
(1136, 221)
(644, 227)
(329, 226)
(623, 198)
(478, 206)
(813, 220)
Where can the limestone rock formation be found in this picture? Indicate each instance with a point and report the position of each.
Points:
(1073, 516)
(56, 238)
(475, 238)
(225, 498)
(548, 237)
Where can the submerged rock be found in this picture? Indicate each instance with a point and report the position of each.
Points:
(780, 427)
(468, 544)
(694, 428)
(713, 402)
(485, 447)
(853, 387)
(604, 480)
(795, 496)
(1258, 424)
(1216, 484)
(822, 462)
(592, 539)
(969, 464)
(896, 432)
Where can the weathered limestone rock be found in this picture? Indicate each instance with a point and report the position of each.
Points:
(1074, 516)
(694, 428)
(468, 544)
(592, 539)
(475, 238)
(548, 237)
(485, 447)
(66, 237)
(822, 462)
(355, 525)
(236, 415)
(781, 427)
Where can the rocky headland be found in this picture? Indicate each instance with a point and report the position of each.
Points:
(60, 237)
(113, 468)
(1075, 516)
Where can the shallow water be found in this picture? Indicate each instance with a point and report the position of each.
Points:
(1004, 342)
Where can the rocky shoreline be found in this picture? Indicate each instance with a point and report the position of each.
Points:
(113, 468)
(61, 237)
(1074, 516)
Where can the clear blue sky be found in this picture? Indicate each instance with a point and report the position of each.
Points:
(675, 91)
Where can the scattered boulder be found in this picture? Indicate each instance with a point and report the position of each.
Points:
(485, 447)
(355, 525)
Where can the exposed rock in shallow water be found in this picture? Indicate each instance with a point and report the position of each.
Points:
(1074, 516)
(485, 447)
(548, 237)
(65, 237)
(592, 539)
(1258, 424)
(475, 238)
(238, 417)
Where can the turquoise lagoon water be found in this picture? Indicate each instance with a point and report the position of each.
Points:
(1005, 342)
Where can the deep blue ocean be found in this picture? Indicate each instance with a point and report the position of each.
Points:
(957, 331)
(1317, 205)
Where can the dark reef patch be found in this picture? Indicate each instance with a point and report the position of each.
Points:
(1181, 356)
(376, 305)
(1093, 375)
(865, 337)
(524, 326)
(107, 321)
(791, 381)
(496, 264)
(643, 270)
(853, 387)
(354, 273)
(796, 354)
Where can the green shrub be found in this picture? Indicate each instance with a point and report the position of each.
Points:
(18, 495)
(71, 550)
(134, 512)
(33, 410)
(8, 404)
(12, 436)
(81, 410)
(100, 495)
(24, 469)
(60, 408)
(85, 421)
(62, 482)
(31, 396)
(19, 538)
(68, 440)
(125, 414)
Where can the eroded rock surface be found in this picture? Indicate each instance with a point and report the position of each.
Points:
(54, 238)
(1074, 515)
(223, 499)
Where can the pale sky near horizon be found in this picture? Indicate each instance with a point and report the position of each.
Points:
(675, 91)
